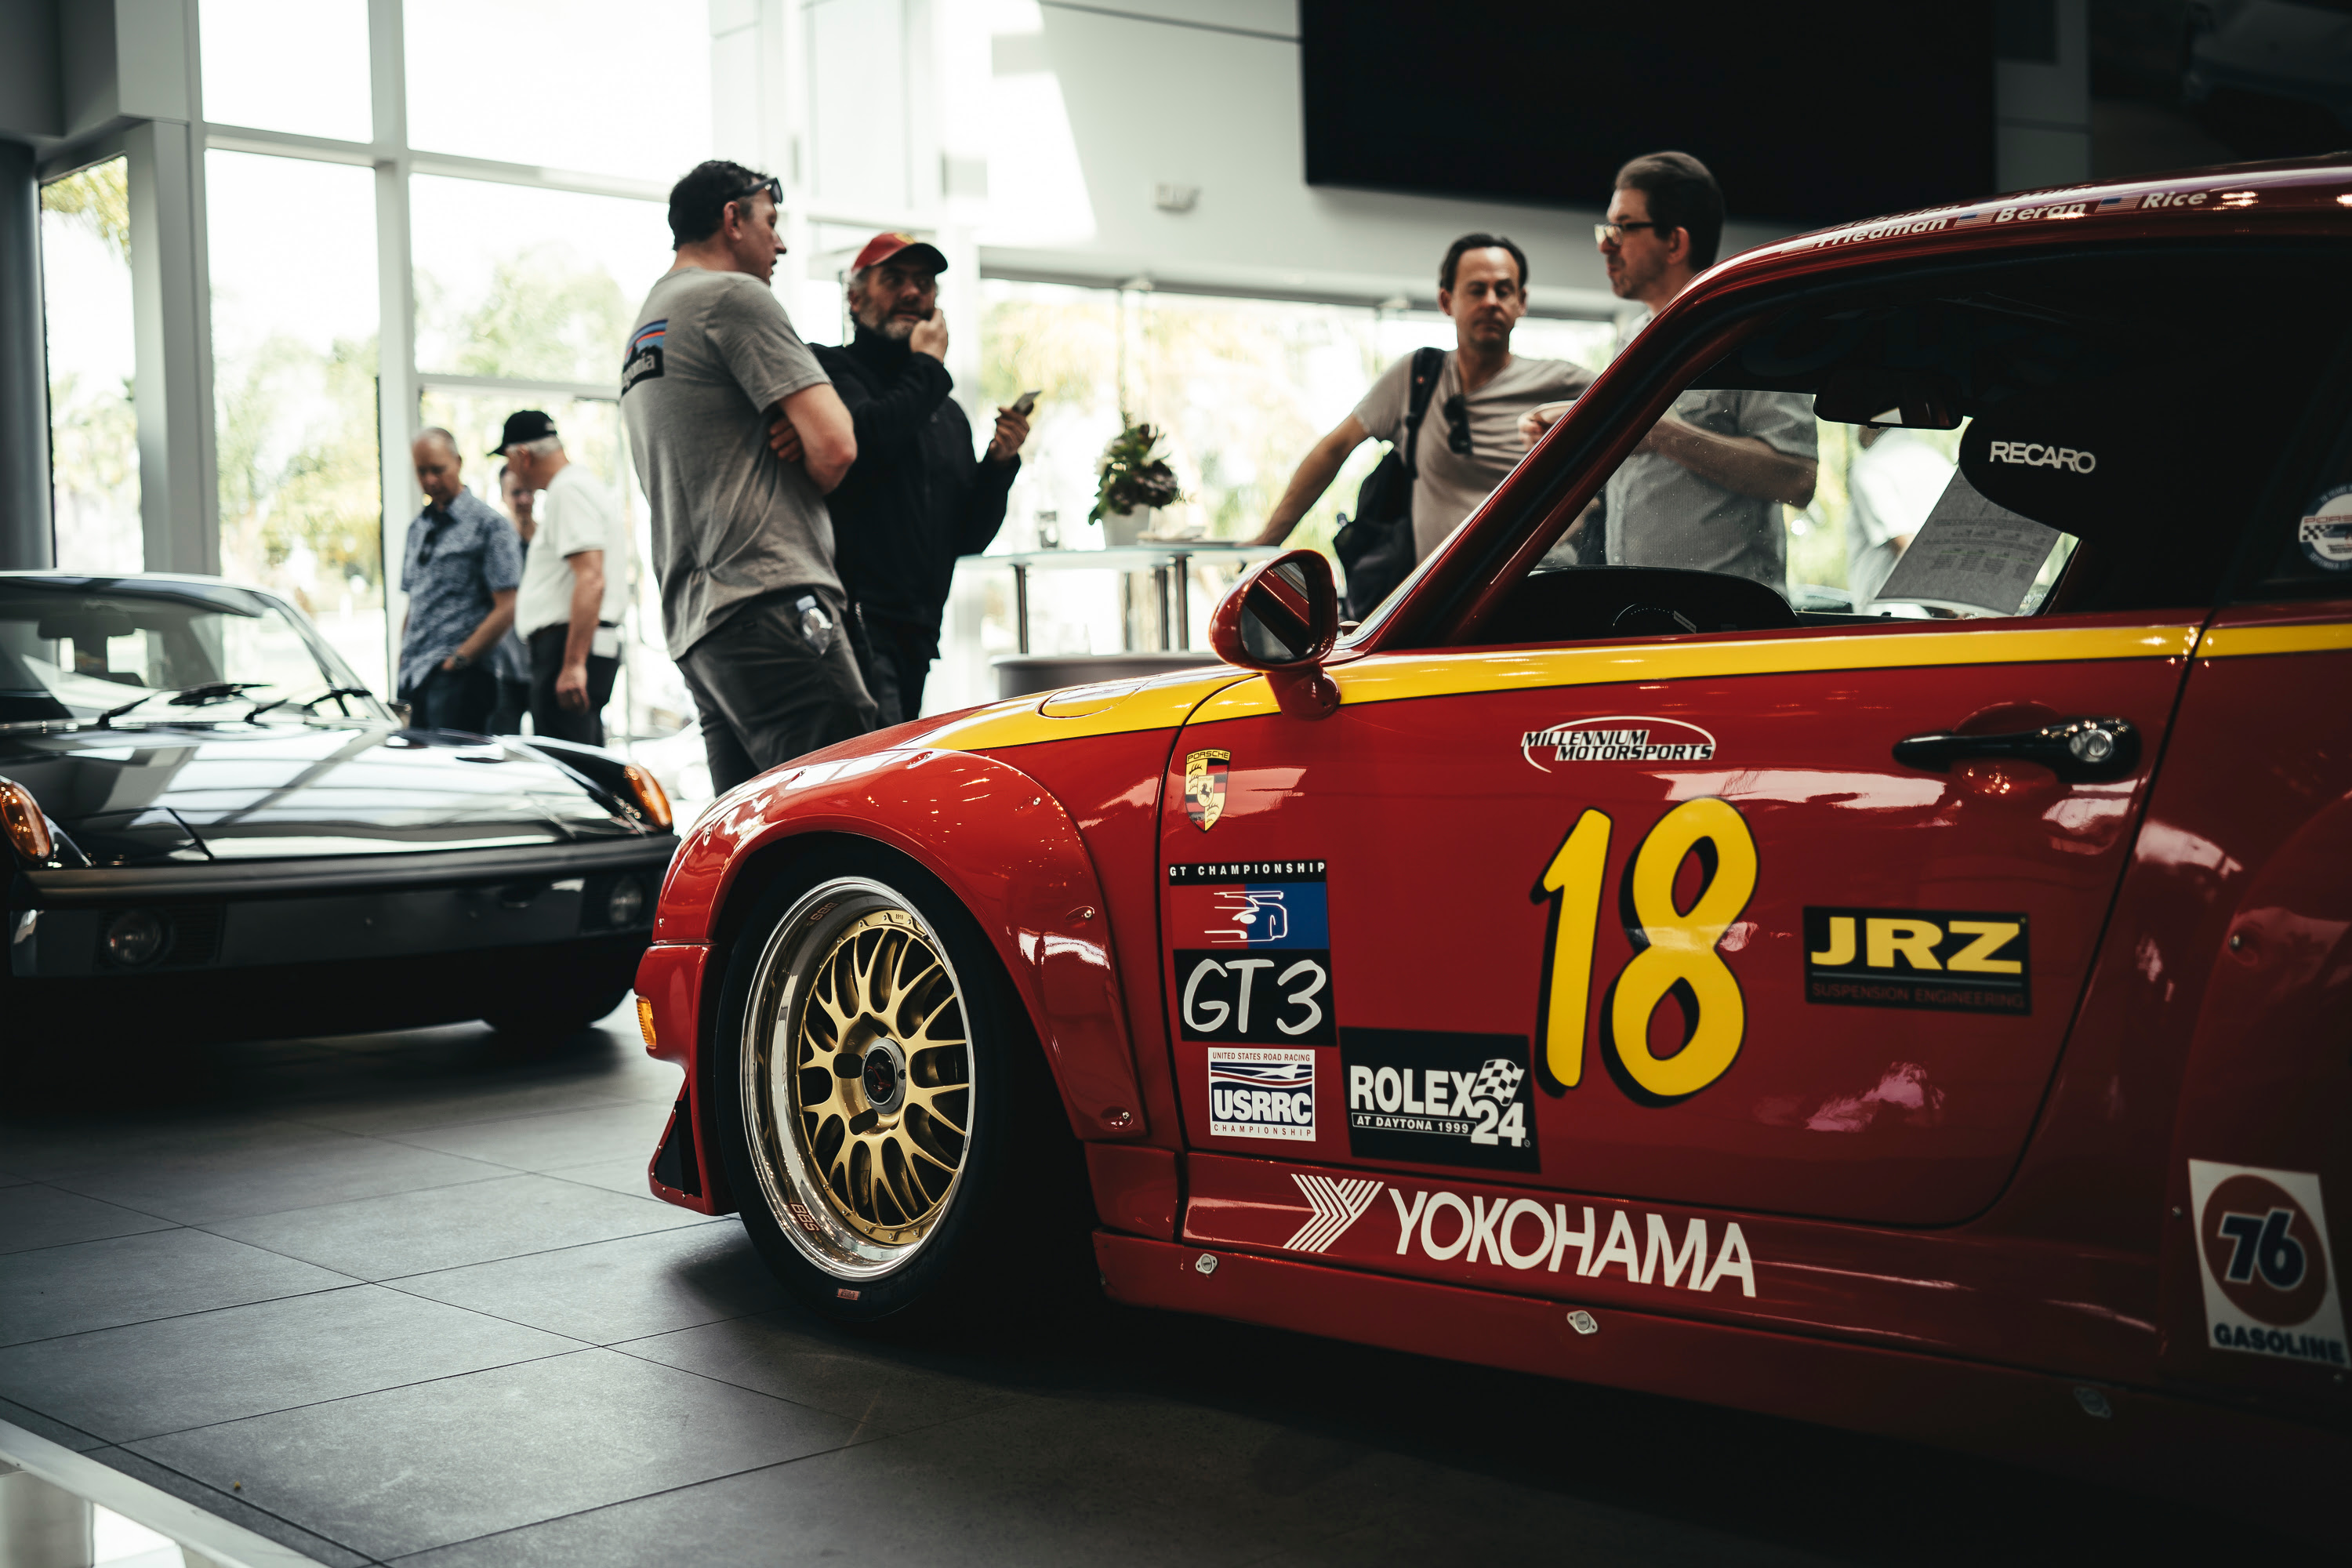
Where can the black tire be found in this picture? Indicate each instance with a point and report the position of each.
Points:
(544, 1019)
(861, 1251)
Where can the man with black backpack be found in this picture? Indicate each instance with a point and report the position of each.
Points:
(1438, 469)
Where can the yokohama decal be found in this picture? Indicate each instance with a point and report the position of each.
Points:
(1337, 1204)
(1515, 1235)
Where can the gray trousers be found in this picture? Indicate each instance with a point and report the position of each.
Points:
(765, 696)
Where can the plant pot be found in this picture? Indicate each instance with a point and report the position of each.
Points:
(1121, 529)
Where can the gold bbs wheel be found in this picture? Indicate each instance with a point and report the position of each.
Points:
(856, 1079)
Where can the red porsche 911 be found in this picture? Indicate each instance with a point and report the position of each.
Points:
(1925, 1008)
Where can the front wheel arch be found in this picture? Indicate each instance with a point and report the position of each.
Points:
(1011, 1157)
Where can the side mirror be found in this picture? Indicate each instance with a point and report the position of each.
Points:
(1283, 618)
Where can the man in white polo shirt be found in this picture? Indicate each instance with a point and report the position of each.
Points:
(574, 584)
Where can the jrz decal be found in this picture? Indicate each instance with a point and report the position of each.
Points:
(1944, 960)
(1439, 1098)
(1675, 952)
(2269, 1286)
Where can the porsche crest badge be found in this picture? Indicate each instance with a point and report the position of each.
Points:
(1204, 787)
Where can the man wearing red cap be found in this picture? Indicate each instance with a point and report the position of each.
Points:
(917, 497)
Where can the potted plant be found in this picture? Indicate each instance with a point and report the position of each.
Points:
(1135, 482)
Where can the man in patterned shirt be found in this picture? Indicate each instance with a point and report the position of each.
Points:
(461, 568)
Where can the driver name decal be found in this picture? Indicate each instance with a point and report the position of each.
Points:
(2270, 1287)
(1624, 737)
(1253, 953)
(1944, 960)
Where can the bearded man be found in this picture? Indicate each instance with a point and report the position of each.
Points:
(916, 497)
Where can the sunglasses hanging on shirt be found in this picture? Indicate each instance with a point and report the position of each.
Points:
(1457, 424)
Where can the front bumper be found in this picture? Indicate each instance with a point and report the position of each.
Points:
(227, 917)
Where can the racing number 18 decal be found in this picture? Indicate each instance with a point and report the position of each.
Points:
(1674, 952)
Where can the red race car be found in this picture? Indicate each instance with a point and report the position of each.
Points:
(1925, 1007)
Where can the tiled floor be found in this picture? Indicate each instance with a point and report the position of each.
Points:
(402, 1297)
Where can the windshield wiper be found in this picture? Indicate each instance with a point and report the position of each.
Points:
(309, 705)
(332, 691)
(189, 697)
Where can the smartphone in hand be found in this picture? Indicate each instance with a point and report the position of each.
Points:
(1025, 403)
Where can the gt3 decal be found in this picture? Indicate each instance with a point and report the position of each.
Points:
(1945, 961)
(2269, 1286)
(1204, 787)
(1625, 739)
(1439, 1098)
(1675, 952)
(1261, 1091)
(1221, 913)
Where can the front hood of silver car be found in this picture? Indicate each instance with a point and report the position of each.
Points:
(158, 794)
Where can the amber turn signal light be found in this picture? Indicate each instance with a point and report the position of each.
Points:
(645, 1020)
(650, 797)
(28, 830)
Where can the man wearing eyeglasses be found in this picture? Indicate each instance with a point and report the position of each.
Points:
(1704, 489)
(1469, 440)
(743, 542)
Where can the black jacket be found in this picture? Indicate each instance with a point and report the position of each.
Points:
(917, 497)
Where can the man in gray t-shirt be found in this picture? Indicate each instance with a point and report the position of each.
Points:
(1470, 441)
(1470, 435)
(742, 545)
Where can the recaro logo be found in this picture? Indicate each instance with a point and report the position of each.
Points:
(2034, 455)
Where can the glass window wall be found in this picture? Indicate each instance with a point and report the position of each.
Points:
(294, 390)
(300, 65)
(93, 428)
(535, 284)
(612, 87)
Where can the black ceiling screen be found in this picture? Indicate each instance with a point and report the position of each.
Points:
(1808, 114)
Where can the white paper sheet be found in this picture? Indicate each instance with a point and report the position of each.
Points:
(1970, 556)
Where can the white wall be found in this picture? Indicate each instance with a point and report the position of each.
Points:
(1209, 97)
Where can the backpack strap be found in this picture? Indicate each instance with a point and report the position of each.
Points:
(1427, 365)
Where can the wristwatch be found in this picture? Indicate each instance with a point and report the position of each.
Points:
(461, 660)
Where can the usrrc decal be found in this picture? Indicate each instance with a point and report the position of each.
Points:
(1944, 960)
(1262, 1091)
(1439, 1098)
(1625, 739)
(2269, 1286)
(2326, 534)
(1223, 914)
(1444, 1225)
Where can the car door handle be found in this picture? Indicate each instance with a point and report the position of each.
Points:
(2080, 751)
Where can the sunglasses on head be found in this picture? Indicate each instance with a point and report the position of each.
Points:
(772, 185)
